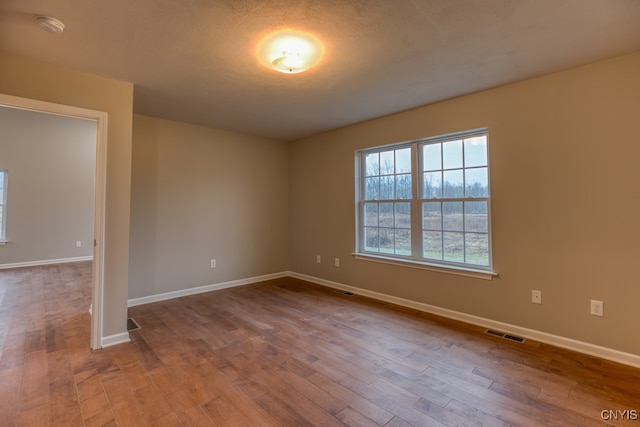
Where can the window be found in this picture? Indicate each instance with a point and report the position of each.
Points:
(387, 206)
(427, 202)
(3, 205)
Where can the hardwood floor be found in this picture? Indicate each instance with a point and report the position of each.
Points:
(283, 353)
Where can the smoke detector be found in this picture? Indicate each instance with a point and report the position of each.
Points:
(50, 24)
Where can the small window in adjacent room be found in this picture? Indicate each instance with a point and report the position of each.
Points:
(3, 205)
(427, 202)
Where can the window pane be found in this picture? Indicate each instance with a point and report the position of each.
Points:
(386, 163)
(371, 239)
(1, 194)
(432, 216)
(403, 242)
(372, 189)
(387, 184)
(452, 155)
(372, 164)
(402, 215)
(453, 184)
(453, 246)
(477, 250)
(477, 182)
(475, 151)
(476, 217)
(452, 218)
(432, 244)
(403, 186)
(387, 244)
(431, 157)
(371, 214)
(386, 214)
(403, 160)
(432, 185)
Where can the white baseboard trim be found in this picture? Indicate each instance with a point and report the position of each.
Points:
(201, 289)
(45, 262)
(115, 339)
(558, 341)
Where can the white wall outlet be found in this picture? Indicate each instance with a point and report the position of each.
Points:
(536, 297)
(214, 264)
(597, 308)
(336, 262)
(318, 259)
(78, 244)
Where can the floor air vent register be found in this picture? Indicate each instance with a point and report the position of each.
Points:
(504, 335)
(132, 325)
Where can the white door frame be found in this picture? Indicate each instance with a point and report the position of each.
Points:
(100, 118)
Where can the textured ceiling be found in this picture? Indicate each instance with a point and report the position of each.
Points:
(195, 60)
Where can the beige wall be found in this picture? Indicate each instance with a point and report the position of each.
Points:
(200, 194)
(37, 80)
(51, 162)
(564, 153)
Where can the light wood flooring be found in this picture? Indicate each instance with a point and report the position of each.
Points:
(282, 353)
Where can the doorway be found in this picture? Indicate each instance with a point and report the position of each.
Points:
(100, 118)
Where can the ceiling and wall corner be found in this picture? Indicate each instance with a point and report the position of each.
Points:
(195, 61)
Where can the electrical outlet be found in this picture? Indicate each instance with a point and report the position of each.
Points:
(78, 244)
(337, 262)
(536, 297)
(597, 308)
(318, 259)
(214, 264)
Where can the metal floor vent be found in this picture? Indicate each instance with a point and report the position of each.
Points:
(132, 325)
(343, 292)
(505, 335)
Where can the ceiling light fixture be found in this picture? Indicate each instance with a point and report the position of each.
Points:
(50, 24)
(289, 63)
(290, 51)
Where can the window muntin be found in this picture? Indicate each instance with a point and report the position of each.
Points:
(3, 204)
(443, 219)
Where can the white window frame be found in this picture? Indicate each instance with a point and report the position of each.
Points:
(4, 177)
(416, 258)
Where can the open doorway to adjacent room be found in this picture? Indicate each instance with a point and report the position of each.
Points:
(81, 167)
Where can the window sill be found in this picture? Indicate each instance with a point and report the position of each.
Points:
(3, 242)
(460, 271)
